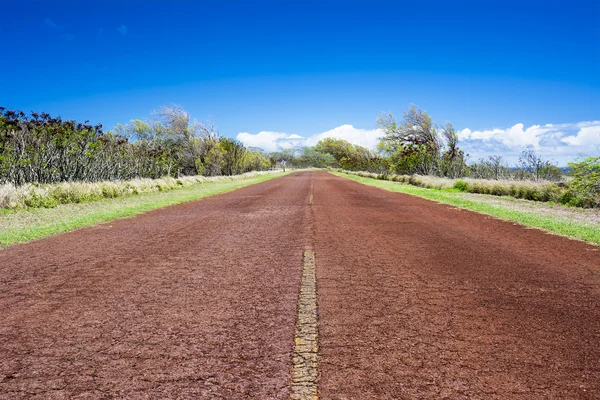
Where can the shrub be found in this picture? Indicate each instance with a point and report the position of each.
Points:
(461, 185)
(499, 190)
(585, 184)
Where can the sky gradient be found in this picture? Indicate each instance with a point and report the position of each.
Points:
(311, 67)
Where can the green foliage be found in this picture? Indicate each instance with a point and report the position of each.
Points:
(37, 148)
(199, 166)
(314, 158)
(233, 156)
(416, 145)
(350, 156)
(461, 185)
(584, 188)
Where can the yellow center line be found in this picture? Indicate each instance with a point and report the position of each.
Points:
(304, 371)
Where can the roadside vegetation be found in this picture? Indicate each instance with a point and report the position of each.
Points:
(41, 149)
(577, 223)
(578, 192)
(47, 161)
(418, 151)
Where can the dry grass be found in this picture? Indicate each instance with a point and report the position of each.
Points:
(51, 195)
(528, 190)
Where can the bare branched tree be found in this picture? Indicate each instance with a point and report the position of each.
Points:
(533, 163)
(416, 128)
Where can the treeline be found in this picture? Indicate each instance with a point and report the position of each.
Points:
(39, 148)
(417, 146)
(333, 153)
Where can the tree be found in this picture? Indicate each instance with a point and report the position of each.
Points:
(233, 155)
(349, 156)
(453, 164)
(494, 167)
(416, 130)
(176, 120)
(531, 162)
(416, 144)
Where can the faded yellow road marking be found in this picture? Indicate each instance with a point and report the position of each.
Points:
(310, 199)
(304, 371)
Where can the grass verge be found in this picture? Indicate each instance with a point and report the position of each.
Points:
(564, 226)
(19, 226)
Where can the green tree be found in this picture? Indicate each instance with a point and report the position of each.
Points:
(416, 144)
(585, 185)
(233, 155)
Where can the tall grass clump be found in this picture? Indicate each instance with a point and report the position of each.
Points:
(33, 195)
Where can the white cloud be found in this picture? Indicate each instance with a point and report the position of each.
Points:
(273, 141)
(122, 30)
(362, 137)
(514, 136)
(559, 142)
(587, 136)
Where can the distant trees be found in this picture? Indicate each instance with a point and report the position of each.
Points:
(494, 167)
(537, 167)
(350, 156)
(311, 157)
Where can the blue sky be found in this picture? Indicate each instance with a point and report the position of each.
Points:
(307, 68)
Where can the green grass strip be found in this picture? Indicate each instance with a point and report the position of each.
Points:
(576, 230)
(25, 225)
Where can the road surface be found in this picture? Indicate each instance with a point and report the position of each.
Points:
(416, 300)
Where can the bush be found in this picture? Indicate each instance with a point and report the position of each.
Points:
(585, 185)
(461, 185)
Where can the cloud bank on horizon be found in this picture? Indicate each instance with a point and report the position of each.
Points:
(560, 143)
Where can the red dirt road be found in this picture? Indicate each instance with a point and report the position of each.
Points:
(416, 300)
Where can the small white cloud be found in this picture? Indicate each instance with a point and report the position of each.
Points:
(587, 136)
(266, 140)
(122, 30)
(50, 23)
